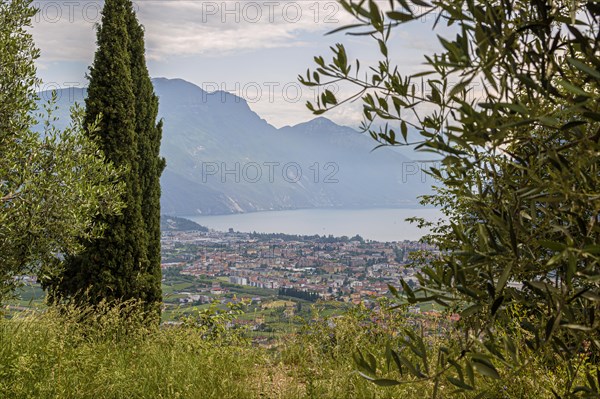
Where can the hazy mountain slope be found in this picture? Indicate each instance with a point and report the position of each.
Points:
(223, 158)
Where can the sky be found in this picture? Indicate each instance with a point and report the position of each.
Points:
(254, 49)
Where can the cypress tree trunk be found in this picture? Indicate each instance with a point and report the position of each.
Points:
(125, 263)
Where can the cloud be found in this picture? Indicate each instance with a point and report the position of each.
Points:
(214, 28)
(65, 30)
(62, 34)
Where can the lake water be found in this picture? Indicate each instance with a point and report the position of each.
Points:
(374, 224)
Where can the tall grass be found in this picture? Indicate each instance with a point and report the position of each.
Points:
(56, 355)
(110, 352)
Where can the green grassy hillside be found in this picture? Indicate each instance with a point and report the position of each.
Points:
(110, 353)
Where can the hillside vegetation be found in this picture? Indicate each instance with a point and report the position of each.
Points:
(112, 354)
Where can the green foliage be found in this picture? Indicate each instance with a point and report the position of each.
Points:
(296, 293)
(109, 351)
(53, 186)
(215, 325)
(519, 178)
(125, 262)
(151, 165)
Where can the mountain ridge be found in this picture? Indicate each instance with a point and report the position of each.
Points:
(222, 158)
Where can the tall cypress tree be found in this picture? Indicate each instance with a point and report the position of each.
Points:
(125, 263)
(151, 164)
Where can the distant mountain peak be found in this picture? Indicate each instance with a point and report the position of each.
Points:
(182, 84)
(222, 157)
(318, 122)
(320, 126)
(175, 82)
(185, 92)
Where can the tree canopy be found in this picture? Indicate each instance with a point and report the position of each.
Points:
(124, 263)
(518, 181)
(53, 185)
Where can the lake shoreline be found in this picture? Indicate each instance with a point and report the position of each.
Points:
(378, 224)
